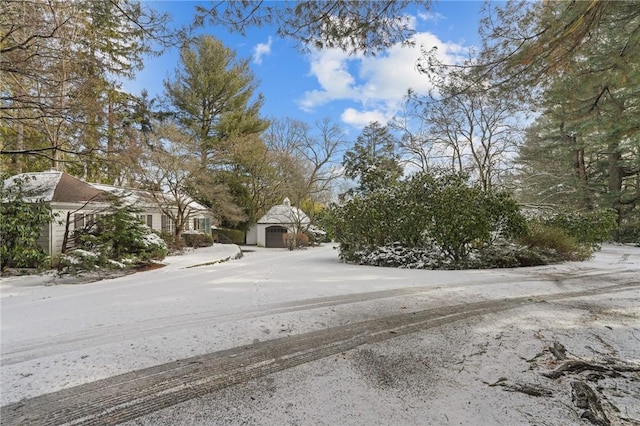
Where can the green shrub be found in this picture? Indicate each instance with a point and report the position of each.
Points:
(453, 217)
(154, 246)
(593, 227)
(629, 231)
(173, 245)
(118, 235)
(464, 218)
(509, 254)
(197, 239)
(21, 224)
(555, 244)
(229, 236)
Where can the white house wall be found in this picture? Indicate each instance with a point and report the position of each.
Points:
(43, 239)
(252, 236)
(262, 234)
(52, 237)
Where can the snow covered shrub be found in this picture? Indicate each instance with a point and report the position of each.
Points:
(396, 255)
(508, 254)
(444, 217)
(80, 260)
(118, 234)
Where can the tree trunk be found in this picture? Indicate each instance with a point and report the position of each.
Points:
(579, 166)
(614, 184)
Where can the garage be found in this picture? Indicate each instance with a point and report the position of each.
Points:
(270, 229)
(275, 236)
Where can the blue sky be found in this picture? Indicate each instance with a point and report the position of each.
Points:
(350, 90)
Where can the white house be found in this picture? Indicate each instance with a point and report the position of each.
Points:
(76, 202)
(270, 229)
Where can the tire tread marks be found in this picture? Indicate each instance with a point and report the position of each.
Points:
(131, 395)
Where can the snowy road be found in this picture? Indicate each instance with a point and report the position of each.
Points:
(177, 346)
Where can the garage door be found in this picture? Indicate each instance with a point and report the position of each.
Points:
(275, 236)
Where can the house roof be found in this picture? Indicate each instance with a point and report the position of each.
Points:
(128, 195)
(54, 186)
(285, 213)
(143, 197)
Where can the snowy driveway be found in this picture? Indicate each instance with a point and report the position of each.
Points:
(282, 337)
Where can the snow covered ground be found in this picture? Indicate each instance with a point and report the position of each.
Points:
(325, 343)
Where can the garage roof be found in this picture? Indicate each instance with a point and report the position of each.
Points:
(285, 213)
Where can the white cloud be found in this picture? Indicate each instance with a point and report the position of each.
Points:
(330, 67)
(378, 85)
(261, 50)
(361, 119)
(430, 16)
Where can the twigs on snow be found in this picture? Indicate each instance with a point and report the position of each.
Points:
(594, 405)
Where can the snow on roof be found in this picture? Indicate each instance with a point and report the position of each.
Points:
(58, 186)
(285, 213)
(143, 197)
(127, 195)
(36, 186)
(54, 186)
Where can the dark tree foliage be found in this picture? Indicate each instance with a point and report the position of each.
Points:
(60, 100)
(578, 64)
(373, 162)
(443, 214)
(21, 224)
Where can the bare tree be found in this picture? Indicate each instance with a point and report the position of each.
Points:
(308, 155)
(170, 173)
(463, 128)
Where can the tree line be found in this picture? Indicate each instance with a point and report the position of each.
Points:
(547, 108)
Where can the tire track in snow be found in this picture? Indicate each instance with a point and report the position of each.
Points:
(27, 351)
(128, 396)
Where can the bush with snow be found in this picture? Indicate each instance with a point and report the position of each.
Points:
(115, 239)
(423, 222)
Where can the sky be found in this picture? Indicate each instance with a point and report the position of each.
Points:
(350, 90)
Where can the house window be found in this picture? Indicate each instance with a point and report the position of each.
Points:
(78, 220)
(82, 220)
(147, 219)
(203, 225)
(166, 224)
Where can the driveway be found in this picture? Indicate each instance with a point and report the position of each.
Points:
(281, 337)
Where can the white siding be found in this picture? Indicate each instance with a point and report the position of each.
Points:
(57, 230)
(252, 236)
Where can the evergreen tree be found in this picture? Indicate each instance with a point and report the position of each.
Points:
(60, 63)
(373, 161)
(212, 95)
